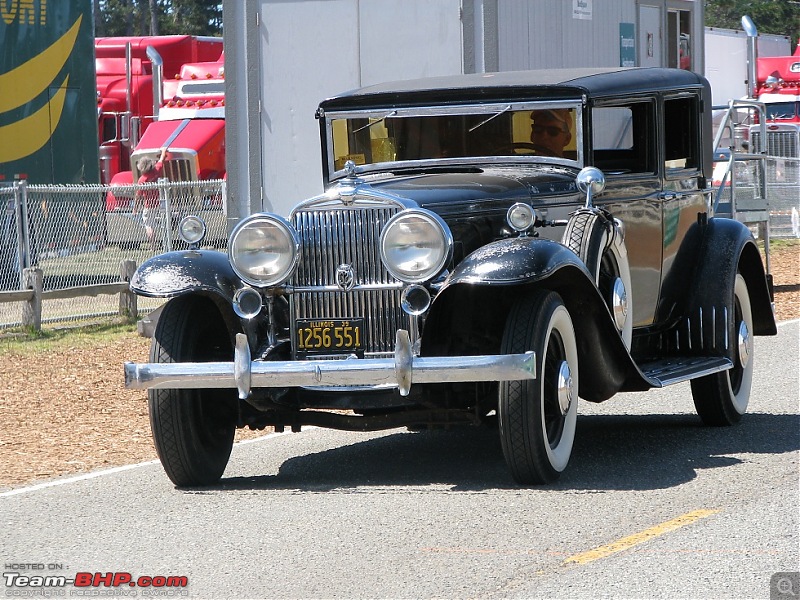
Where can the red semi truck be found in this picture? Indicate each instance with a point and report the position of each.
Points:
(134, 76)
(166, 91)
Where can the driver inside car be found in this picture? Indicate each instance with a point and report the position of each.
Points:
(550, 131)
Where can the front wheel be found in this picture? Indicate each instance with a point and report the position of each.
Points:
(537, 417)
(192, 429)
(722, 398)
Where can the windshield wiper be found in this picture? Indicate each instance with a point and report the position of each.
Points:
(381, 120)
(494, 116)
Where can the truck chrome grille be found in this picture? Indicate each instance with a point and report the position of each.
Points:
(347, 235)
(179, 169)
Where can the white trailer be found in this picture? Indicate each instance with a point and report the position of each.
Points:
(726, 60)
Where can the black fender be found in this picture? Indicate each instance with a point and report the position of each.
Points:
(174, 274)
(476, 297)
(199, 272)
(712, 253)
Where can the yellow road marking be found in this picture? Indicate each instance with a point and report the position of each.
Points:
(639, 538)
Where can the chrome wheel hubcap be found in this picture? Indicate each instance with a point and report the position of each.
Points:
(619, 303)
(745, 342)
(564, 387)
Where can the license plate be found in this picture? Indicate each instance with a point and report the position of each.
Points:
(329, 336)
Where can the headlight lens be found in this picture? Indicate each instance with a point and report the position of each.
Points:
(520, 217)
(192, 229)
(416, 245)
(264, 250)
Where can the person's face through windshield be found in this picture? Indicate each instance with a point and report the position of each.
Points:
(550, 131)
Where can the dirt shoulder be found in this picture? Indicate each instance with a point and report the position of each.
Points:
(65, 410)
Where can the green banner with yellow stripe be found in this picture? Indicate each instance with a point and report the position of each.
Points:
(48, 106)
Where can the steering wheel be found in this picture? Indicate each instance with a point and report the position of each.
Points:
(522, 148)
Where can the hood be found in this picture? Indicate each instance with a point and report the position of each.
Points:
(186, 135)
(438, 190)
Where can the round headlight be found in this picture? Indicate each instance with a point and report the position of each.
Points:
(520, 217)
(192, 229)
(415, 245)
(264, 250)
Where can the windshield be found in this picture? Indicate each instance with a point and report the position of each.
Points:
(780, 110)
(455, 135)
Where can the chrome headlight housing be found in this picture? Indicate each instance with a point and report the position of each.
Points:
(416, 244)
(192, 229)
(264, 250)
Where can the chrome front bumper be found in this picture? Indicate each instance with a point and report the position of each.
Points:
(245, 374)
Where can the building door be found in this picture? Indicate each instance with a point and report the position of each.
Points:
(649, 36)
(679, 39)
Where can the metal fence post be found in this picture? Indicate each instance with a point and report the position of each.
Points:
(32, 309)
(166, 199)
(19, 198)
(127, 299)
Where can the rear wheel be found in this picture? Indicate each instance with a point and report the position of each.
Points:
(537, 417)
(722, 398)
(192, 429)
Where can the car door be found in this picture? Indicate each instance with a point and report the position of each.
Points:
(683, 195)
(624, 146)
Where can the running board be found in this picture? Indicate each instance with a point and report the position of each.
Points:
(676, 369)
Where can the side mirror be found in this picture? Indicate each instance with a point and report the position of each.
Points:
(590, 181)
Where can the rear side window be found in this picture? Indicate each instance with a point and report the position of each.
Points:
(623, 138)
(681, 133)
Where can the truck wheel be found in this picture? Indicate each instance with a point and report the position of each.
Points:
(192, 429)
(721, 398)
(537, 417)
(587, 235)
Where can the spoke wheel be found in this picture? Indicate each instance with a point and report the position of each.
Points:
(192, 429)
(537, 417)
(722, 398)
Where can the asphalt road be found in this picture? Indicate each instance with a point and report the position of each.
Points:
(652, 505)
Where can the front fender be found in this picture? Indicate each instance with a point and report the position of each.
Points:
(476, 298)
(514, 261)
(177, 273)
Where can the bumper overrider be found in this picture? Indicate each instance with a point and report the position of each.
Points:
(244, 373)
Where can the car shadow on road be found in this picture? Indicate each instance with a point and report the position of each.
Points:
(612, 452)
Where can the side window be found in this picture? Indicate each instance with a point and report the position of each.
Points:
(623, 138)
(681, 133)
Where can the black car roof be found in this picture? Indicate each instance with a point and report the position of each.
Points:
(516, 85)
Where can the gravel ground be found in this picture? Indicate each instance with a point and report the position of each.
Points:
(66, 411)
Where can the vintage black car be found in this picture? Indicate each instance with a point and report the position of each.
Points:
(488, 249)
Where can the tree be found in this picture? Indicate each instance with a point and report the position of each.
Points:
(157, 17)
(781, 17)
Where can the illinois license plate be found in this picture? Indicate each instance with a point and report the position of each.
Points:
(332, 336)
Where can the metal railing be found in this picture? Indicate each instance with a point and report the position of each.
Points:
(78, 235)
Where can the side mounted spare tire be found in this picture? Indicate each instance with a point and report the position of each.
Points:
(599, 243)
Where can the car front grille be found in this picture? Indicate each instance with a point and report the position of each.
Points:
(339, 236)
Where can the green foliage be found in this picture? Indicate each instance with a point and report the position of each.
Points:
(157, 17)
(781, 17)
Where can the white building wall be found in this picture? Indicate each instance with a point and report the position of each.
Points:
(545, 34)
(302, 51)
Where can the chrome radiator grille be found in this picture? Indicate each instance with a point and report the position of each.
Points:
(779, 143)
(347, 235)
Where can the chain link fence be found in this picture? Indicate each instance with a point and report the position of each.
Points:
(79, 235)
(782, 193)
